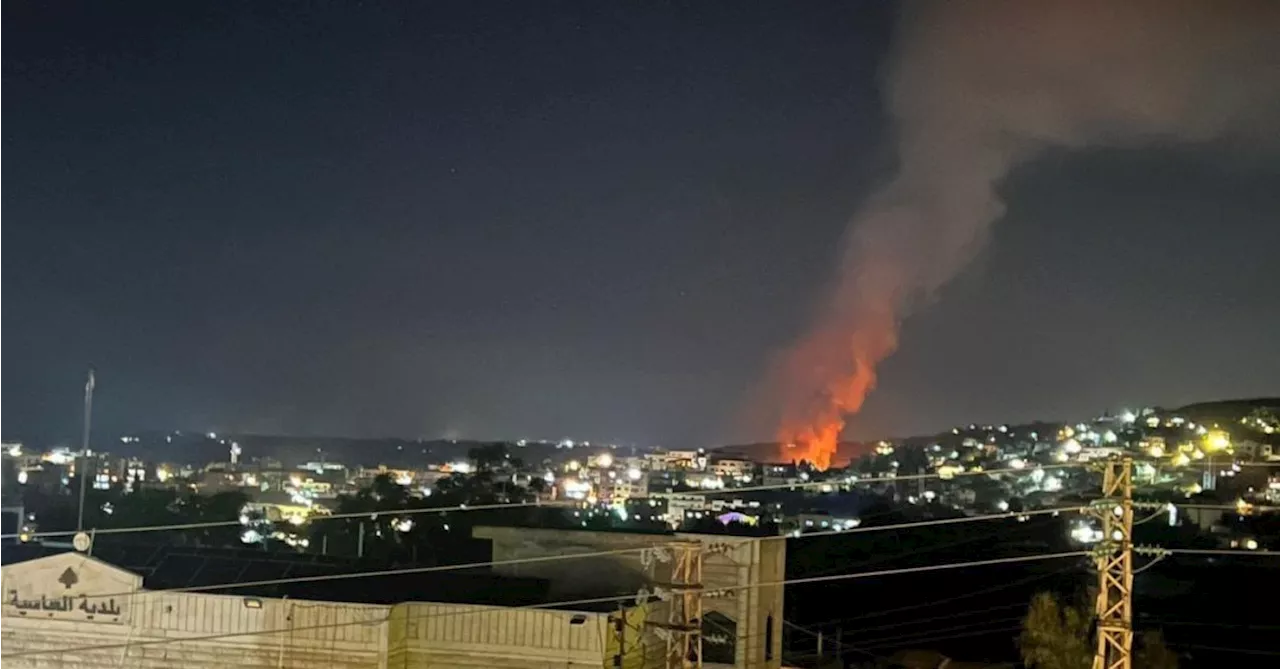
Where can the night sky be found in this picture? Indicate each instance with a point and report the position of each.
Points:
(547, 220)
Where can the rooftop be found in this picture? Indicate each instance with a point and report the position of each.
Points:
(174, 567)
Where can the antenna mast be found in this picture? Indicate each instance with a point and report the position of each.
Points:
(85, 453)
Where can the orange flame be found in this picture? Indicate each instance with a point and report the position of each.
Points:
(841, 362)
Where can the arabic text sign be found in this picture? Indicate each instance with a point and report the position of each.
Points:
(73, 606)
(67, 586)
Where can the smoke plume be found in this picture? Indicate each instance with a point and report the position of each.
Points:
(976, 88)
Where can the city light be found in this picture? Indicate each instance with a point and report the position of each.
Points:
(634, 474)
(59, 456)
(575, 489)
(947, 472)
(22, 476)
(1085, 533)
(1217, 441)
(605, 461)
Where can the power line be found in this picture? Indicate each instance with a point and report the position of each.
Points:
(549, 558)
(944, 521)
(481, 507)
(897, 643)
(873, 642)
(1193, 623)
(917, 621)
(318, 517)
(937, 547)
(560, 604)
(878, 479)
(924, 568)
(912, 637)
(1221, 649)
(975, 593)
(372, 574)
(1225, 551)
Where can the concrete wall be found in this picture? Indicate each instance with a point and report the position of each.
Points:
(112, 622)
(459, 636)
(733, 570)
(92, 614)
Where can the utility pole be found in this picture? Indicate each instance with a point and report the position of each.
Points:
(620, 635)
(85, 453)
(683, 628)
(1114, 556)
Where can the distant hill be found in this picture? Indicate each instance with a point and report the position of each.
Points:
(293, 451)
(1227, 410)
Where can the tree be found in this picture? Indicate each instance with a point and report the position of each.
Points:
(494, 456)
(1153, 654)
(1056, 635)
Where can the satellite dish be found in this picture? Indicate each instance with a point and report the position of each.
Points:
(81, 542)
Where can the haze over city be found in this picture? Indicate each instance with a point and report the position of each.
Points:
(503, 221)
(568, 335)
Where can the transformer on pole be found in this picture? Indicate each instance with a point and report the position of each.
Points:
(1114, 556)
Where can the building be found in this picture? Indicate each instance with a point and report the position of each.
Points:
(818, 521)
(1249, 449)
(625, 488)
(732, 468)
(673, 460)
(781, 474)
(742, 624)
(69, 609)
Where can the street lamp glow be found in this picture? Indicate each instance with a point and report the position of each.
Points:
(1217, 441)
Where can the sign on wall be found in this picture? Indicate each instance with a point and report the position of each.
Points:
(71, 586)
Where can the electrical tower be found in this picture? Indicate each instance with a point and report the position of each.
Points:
(1114, 556)
(683, 628)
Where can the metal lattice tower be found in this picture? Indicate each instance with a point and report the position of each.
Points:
(1114, 556)
(683, 628)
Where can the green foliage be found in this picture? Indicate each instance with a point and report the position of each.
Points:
(145, 507)
(1056, 635)
(1151, 652)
